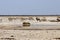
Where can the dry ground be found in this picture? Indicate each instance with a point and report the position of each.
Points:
(30, 34)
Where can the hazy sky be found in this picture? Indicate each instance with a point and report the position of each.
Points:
(26, 7)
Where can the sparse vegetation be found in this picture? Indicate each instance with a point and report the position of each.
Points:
(26, 24)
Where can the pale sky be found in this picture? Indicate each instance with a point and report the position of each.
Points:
(29, 7)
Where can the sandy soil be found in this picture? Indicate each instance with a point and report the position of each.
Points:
(30, 34)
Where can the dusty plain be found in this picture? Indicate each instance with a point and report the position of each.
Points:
(30, 34)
